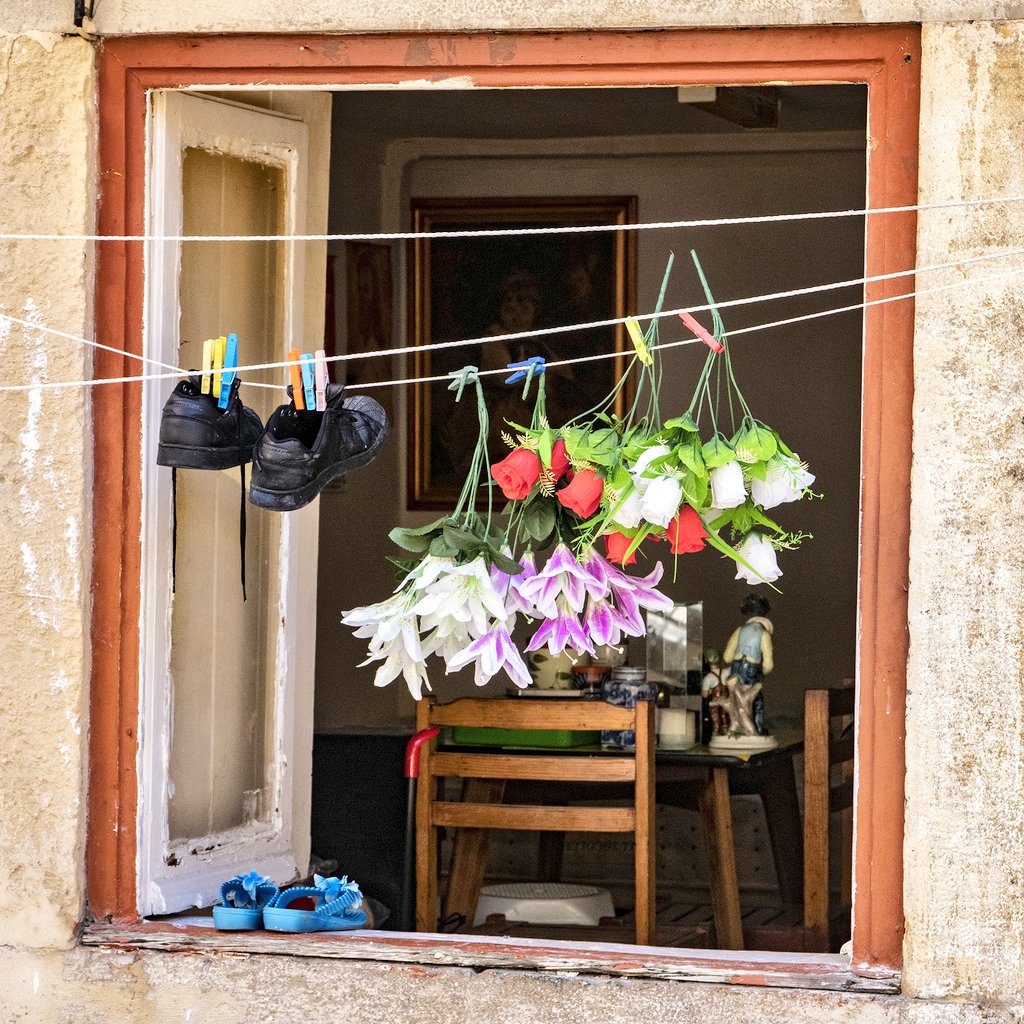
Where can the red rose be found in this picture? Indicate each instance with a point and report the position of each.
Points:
(517, 473)
(559, 460)
(583, 495)
(615, 546)
(686, 532)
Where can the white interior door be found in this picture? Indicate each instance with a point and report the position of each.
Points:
(227, 688)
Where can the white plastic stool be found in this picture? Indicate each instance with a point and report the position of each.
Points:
(545, 903)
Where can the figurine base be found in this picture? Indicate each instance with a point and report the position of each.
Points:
(737, 744)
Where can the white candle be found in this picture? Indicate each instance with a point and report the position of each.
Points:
(677, 727)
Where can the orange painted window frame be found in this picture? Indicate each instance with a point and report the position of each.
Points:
(885, 58)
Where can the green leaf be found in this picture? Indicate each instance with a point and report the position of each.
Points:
(743, 518)
(547, 442)
(684, 422)
(507, 565)
(638, 538)
(754, 443)
(462, 540)
(782, 446)
(759, 517)
(539, 520)
(695, 488)
(717, 452)
(409, 540)
(440, 548)
(619, 479)
(689, 455)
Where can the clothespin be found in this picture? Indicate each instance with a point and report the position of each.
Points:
(709, 339)
(467, 375)
(228, 378)
(637, 337)
(207, 369)
(526, 369)
(322, 378)
(307, 380)
(219, 344)
(295, 371)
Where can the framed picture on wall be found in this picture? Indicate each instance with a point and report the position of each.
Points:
(466, 288)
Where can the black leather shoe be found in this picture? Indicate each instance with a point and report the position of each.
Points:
(196, 434)
(302, 450)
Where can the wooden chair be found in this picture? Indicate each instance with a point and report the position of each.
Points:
(818, 925)
(485, 775)
(828, 788)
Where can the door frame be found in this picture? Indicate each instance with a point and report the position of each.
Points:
(886, 58)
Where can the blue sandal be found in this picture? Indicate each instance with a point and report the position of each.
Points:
(336, 906)
(242, 901)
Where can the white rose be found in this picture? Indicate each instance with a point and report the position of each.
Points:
(785, 480)
(727, 490)
(660, 502)
(629, 514)
(647, 456)
(756, 550)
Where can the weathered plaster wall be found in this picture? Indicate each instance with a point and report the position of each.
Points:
(118, 17)
(87, 986)
(965, 754)
(46, 184)
(965, 840)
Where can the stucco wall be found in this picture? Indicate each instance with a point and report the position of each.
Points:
(965, 752)
(965, 841)
(46, 184)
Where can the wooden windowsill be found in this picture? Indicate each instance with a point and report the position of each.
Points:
(825, 971)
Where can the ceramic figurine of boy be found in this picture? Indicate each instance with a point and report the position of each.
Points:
(748, 656)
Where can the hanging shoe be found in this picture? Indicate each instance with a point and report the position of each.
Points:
(302, 451)
(196, 434)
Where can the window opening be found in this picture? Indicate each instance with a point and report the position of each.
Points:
(684, 160)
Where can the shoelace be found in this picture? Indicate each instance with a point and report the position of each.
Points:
(174, 529)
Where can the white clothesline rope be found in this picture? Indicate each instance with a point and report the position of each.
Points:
(515, 336)
(394, 236)
(53, 385)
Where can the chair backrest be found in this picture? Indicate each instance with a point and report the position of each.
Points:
(563, 766)
(828, 787)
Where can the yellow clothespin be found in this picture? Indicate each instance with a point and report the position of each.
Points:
(208, 347)
(219, 345)
(637, 337)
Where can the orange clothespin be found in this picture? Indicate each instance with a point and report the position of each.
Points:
(295, 370)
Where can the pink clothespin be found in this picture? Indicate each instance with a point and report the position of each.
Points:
(322, 378)
(709, 339)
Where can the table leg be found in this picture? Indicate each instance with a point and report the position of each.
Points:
(782, 815)
(469, 852)
(716, 815)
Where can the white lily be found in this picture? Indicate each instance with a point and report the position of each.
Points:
(786, 479)
(727, 490)
(758, 552)
(661, 500)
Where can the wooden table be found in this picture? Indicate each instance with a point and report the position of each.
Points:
(698, 778)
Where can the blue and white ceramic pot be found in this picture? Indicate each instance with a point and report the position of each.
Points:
(624, 688)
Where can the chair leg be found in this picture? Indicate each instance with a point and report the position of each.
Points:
(469, 853)
(644, 866)
(426, 858)
(550, 853)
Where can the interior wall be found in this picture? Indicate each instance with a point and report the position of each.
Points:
(803, 379)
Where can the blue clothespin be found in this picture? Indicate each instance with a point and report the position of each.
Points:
(308, 380)
(526, 370)
(228, 374)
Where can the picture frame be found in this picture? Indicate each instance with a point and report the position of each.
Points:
(466, 288)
